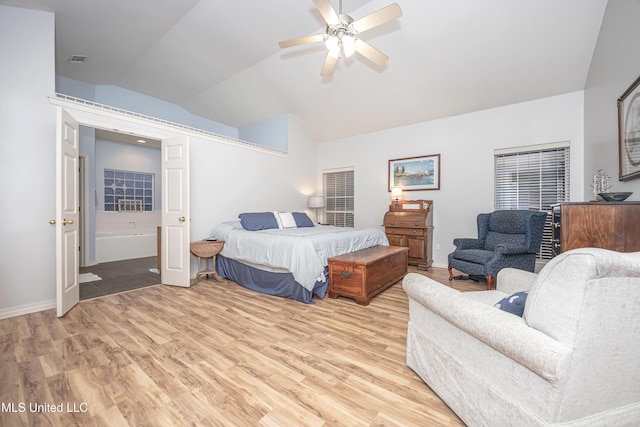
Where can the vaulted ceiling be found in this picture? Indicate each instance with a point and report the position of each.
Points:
(221, 60)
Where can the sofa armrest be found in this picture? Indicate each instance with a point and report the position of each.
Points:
(502, 331)
(512, 280)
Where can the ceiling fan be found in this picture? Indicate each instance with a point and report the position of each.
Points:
(342, 34)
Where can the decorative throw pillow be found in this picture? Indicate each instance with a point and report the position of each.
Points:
(254, 221)
(277, 217)
(302, 219)
(287, 220)
(513, 304)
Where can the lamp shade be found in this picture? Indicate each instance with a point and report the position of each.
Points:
(316, 202)
(396, 193)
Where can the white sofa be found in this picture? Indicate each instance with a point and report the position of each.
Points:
(573, 359)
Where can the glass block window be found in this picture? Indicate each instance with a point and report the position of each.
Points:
(128, 190)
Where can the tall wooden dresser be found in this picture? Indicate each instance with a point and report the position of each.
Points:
(409, 223)
(607, 225)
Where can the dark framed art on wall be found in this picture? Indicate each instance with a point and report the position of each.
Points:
(415, 173)
(629, 132)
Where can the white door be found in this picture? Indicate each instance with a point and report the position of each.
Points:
(66, 222)
(175, 260)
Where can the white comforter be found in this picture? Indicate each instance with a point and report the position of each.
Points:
(301, 251)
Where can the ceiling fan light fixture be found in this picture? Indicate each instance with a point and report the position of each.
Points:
(334, 46)
(347, 45)
(342, 34)
(333, 42)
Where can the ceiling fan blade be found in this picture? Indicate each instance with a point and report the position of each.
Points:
(329, 65)
(370, 52)
(382, 16)
(301, 40)
(326, 10)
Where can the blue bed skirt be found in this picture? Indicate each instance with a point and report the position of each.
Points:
(277, 284)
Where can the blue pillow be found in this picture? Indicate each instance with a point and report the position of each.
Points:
(302, 219)
(513, 304)
(254, 221)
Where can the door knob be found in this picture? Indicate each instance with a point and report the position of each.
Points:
(67, 221)
(182, 219)
(52, 221)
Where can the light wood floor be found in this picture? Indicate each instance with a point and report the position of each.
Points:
(216, 354)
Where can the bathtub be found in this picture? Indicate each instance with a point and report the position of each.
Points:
(121, 236)
(117, 247)
(121, 246)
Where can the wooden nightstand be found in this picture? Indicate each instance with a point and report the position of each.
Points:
(207, 249)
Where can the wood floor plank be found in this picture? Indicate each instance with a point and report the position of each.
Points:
(111, 417)
(218, 354)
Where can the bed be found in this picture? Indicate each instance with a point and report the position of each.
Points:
(285, 254)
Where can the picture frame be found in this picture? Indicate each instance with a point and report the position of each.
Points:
(415, 173)
(629, 132)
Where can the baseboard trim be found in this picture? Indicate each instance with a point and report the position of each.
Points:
(19, 310)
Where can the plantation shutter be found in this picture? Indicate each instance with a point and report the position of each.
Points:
(535, 179)
(339, 197)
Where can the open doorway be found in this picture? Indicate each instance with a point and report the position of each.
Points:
(117, 276)
(175, 210)
(120, 216)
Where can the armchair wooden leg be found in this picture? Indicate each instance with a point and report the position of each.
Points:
(489, 282)
(450, 272)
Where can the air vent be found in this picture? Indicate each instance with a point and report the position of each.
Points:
(77, 59)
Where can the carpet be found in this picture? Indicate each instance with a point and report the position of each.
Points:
(88, 277)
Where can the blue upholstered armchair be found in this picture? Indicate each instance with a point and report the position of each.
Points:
(507, 238)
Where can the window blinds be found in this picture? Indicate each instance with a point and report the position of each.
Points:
(339, 197)
(534, 179)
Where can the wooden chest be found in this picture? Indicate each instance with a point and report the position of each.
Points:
(363, 274)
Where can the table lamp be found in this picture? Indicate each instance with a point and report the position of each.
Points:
(315, 203)
(396, 195)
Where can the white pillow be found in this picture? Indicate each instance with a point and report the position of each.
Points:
(286, 219)
(277, 217)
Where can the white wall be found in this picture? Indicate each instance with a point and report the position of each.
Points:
(270, 133)
(615, 65)
(227, 180)
(27, 164)
(466, 144)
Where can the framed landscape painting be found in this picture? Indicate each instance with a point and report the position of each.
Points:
(415, 173)
(629, 132)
